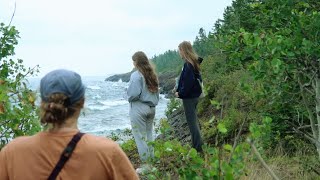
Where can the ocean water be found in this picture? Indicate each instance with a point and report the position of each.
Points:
(105, 109)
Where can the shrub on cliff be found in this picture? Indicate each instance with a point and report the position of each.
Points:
(18, 113)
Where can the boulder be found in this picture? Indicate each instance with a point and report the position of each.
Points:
(166, 81)
(178, 123)
(124, 77)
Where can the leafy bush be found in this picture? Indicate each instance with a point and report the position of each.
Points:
(18, 113)
(175, 161)
(173, 105)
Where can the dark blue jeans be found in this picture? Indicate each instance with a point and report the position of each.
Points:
(190, 108)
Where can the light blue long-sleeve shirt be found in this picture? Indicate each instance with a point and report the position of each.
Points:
(138, 90)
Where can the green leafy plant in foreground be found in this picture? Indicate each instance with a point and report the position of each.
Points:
(18, 113)
(173, 105)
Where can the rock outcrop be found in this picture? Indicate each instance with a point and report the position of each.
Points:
(166, 81)
(178, 122)
(124, 77)
(176, 119)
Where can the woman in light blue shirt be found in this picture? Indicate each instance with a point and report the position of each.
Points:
(143, 96)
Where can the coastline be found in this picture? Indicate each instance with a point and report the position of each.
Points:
(166, 81)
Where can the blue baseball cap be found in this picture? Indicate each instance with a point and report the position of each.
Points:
(62, 81)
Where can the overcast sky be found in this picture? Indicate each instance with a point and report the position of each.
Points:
(98, 37)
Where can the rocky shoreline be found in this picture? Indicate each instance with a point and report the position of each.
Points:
(125, 77)
(166, 81)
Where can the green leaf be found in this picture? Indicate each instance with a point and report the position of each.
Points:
(267, 120)
(215, 103)
(192, 153)
(157, 154)
(290, 54)
(276, 63)
(228, 147)
(212, 119)
(222, 128)
(167, 145)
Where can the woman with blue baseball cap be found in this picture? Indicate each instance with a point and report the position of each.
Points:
(62, 152)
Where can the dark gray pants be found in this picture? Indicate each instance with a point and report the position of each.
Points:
(190, 108)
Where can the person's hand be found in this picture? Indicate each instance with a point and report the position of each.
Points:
(176, 94)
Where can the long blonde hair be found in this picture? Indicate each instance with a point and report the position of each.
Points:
(187, 53)
(143, 65)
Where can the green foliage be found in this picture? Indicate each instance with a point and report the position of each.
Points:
(169, 61)
(173, 105)
(262, 60)
(18, 113)
(279, 47)
(260, 71)
(261, 133)
(164, 129)
(175, 161)
(231, 99)
(201, 45)
(129, 145)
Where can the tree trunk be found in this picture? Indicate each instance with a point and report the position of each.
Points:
(313, 119)
(318, 113)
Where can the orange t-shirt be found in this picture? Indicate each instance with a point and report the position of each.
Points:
(34, 157)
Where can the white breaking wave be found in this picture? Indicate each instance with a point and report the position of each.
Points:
(100, 108)
(114, 103)
(94, 87)
(163, 96)
(103, 105)
(106, 109)
(96, 97)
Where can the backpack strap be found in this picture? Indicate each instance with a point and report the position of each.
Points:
(65, 155)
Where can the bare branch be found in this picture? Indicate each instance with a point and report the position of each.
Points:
(222, 102)
(309, 91)
(300, 123)
(236, 138)
(311, 78)
(29, 71)
(308, 136)
(14, 11)
(317, 83)
(5, 122)
(264, 164)
(314, 170)
(311, 116)
(306, 126)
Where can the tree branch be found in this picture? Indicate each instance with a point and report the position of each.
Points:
(236, 138)
(14, 11)
(317, 81)
(311, 117)
(264, 164)
(308, 136)
(306, 126)
(5, 122)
